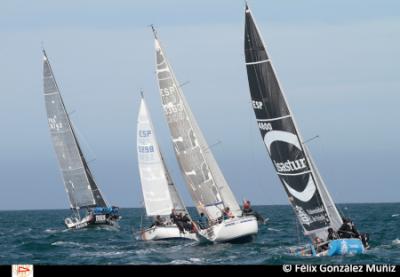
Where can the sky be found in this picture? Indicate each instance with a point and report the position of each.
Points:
(338, 63)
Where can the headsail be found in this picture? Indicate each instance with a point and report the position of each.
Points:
(293, 164)
(159, 192)
(203, 177)
(78, 180)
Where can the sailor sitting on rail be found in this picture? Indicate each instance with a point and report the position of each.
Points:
(228, 213)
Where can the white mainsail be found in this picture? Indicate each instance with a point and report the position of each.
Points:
(204, 179)
(159, 193)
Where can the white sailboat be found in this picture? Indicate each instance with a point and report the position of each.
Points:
(307, 192)
(159, 192)
(82, 190)
(207, 186)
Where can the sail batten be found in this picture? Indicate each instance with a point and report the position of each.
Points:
(206, 184)
(301, 180)
(79, 183)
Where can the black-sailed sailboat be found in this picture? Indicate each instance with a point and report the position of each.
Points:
(307, 193)
(86, 201)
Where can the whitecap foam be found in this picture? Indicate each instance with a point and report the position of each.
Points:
(180, 262)
(395, 215)
(51, 231)
(396, 242)
(69, 244)
(274, 230)
(196, 260)
(144, 251)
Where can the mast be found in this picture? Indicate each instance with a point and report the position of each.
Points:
(159, 192)
(307, 193)
(204, 179)
(80, 186)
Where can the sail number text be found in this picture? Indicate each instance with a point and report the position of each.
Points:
(144, 133)
(146, 149)
(257, 105)
(265, 126)
(54, 124)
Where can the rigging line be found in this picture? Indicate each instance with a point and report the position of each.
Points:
(311, 139)
(183, 84)
(211, 146)
(71, 113)
(82, 138)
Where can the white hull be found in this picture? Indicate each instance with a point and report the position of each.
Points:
(75, 223)
(230, 230)
(166, 232)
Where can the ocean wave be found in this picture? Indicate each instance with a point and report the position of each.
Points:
(395, 215)
(145, 251)
(274, 230)
(180, 262)
(103, 254)
(396, 242)
(70, 244)
(52, 231)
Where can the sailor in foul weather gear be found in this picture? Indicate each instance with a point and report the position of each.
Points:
(176, 220)
(348, 230)
(186, 222)
(332, 235)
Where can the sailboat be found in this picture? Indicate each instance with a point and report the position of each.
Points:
(207, 186)
(81, 188)
(307, 193)
(159, 192)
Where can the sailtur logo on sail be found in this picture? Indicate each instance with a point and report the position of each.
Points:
(289, 166)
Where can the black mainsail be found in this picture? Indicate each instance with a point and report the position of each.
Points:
(80, 185)
(307, 193)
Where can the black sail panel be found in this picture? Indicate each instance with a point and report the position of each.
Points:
(280, 136)
(98, 198)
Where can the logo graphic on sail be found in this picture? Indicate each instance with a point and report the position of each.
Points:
(276, 135)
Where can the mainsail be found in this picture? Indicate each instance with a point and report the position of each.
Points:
(159, 192)
(78, 180)
(307, 193)
(204, 179)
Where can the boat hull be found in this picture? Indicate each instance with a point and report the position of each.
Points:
(234, 230)
(339, 247)
(90, 220)
(345, 247)
(166, 232)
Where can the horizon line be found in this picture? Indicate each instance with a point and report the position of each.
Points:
(255, 205)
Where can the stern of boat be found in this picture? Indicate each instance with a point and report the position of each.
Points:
(234, 230)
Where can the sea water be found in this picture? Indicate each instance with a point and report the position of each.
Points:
(40, 237)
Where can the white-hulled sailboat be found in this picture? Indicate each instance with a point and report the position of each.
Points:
(80, 185)
(204, 179)
(308, 195)
(159, 192)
